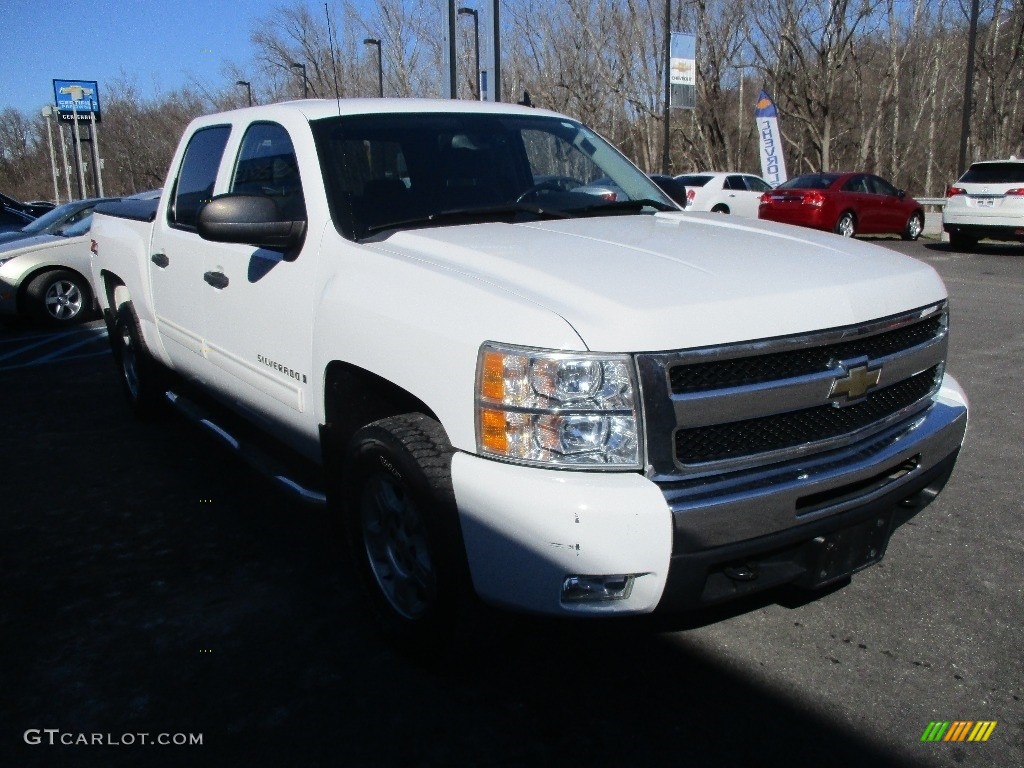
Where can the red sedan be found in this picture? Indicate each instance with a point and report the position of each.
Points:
(845, 203)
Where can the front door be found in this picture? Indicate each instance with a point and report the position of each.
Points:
(257, 303)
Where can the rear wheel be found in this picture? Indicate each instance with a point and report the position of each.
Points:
(847, 225)
(59, 297)
(915, 225)
(720, 208)
(402, 527)
(141, 377)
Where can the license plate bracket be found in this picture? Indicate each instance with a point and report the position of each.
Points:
(837, 555)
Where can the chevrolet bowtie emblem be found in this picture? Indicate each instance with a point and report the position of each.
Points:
(855, 383)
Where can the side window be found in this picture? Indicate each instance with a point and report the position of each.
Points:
(881, 187)
(856, 184)
(266, 166)
(198, 173)
(735, 183)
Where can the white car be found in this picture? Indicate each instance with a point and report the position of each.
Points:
(45, 276)
(987, 201)
(719, 192)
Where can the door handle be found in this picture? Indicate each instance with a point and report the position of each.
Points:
(160, 259)
(217, 279)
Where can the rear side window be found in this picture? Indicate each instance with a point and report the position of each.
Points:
(194, 185)
(994, 173)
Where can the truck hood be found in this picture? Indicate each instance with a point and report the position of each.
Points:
(672, 281)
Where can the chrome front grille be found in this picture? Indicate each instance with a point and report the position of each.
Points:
(746, 371)
(745, 405)
(716, 442)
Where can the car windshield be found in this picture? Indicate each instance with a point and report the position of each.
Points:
(61, 216)
(994, 173)
(396, 171)
(810, 181)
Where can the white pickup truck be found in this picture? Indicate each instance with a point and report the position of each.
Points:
(520, 370)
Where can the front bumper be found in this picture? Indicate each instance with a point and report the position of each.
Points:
(527, 530)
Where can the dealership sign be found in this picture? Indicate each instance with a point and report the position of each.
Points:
(81, 97)
(682, 69)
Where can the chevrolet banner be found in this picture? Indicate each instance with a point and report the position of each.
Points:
(773, 165)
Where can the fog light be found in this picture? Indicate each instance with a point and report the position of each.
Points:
(595, 588)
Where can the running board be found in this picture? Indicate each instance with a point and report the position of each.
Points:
(248, 452)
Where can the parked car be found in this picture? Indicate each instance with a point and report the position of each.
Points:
(34, 210)
(54, 222)
(987, 201)
(671, 187)
(45, 276)
(720, 192)
(12, 219)
(844, 203)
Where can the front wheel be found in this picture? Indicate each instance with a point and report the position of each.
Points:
(403, 530)
(846, 226)
(59, 297)
(914, 228)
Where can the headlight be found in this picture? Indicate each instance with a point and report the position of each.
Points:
(557, 408)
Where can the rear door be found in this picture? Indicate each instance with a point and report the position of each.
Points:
(177, 254)
(856, 196)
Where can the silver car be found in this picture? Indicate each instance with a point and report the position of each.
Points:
(45, 276)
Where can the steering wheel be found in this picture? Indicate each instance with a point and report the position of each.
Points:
(549, 185)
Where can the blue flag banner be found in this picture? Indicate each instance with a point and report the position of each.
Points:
(773, 164)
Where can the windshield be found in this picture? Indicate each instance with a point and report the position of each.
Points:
(413, 170)
(52, 221)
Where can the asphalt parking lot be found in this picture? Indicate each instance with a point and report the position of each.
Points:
(153, 585)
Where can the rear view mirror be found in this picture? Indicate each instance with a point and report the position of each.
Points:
(250, 220)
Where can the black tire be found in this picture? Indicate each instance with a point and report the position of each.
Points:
(961, 243)
(142, 378)
(914, 227)
(401, 524)
(720, 208)
(846, 226)
(58, 297)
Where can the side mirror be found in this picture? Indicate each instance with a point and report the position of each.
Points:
(901, 193)
(250, 220)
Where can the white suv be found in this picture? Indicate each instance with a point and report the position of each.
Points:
(987, 201)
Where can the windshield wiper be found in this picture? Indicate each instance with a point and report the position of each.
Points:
(471, 216)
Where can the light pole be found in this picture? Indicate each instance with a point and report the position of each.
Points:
(476, 43)
(742, 69)
(965, 117)
(248, 88)
(305, 82)
(380, 64)
(46, 112)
